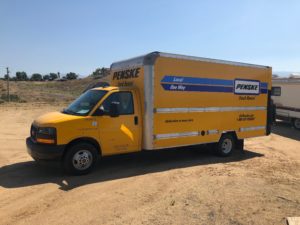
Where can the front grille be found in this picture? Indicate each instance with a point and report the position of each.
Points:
(33, 132)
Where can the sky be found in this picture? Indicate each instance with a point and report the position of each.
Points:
(42, 36)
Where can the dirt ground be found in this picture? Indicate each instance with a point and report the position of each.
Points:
(183, 186)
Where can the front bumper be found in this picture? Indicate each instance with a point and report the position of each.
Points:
(44, 151)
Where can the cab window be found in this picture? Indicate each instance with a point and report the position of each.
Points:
(276, 91)
(123, 100)
(85, 103)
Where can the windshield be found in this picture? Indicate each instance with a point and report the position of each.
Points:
(85, 103)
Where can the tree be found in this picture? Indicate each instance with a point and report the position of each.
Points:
(10, 78)
(22, 76)
(36, 77)
(100, 72)
(46, 77)
(71, 76)
(53, 76)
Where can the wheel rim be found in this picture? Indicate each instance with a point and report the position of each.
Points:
(297, 123)
(82, 160)
(226, 145)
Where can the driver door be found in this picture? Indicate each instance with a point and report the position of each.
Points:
(120, 132)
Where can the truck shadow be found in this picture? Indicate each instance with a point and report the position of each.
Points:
(29, 173)
(285, 129)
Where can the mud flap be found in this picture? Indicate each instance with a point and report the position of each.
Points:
(240, 144)
(271, 111)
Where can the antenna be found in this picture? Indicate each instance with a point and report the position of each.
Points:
(7, 73)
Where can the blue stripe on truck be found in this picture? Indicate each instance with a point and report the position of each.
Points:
(205, 88)
(263, 91)
(264, 85)
(195, 80)
(179, 83)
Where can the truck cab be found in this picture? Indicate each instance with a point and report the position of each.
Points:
(108, 117)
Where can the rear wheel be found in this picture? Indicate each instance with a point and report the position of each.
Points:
(80, 159)
(296, 123)
(226, 145)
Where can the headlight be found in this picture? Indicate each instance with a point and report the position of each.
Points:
(46, 135)
(46, 131)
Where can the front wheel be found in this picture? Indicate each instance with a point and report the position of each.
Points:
(226, 145)
(296, 123)
(80, 159)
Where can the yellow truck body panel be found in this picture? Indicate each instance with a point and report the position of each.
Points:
(190, 100)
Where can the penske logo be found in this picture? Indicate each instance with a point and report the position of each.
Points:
(126, 74)
(247, 87)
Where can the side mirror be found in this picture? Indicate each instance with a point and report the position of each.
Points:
(99, 112)
(114, 109)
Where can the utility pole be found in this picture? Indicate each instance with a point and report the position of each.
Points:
(7, 73)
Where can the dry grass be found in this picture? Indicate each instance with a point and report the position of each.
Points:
(46, 91)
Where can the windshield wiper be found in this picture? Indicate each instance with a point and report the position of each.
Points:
(69, 112)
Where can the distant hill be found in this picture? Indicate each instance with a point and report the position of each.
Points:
(285, 73)
(46, 91)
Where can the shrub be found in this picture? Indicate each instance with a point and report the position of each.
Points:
(12, 98)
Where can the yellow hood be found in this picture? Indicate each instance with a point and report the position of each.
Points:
(54, 117)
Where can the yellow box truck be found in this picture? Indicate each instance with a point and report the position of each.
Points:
(158, 101)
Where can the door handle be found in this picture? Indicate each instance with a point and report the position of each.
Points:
(136, 120)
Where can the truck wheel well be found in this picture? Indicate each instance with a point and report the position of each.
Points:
(85, 140)
(239, 143)
(233, 133)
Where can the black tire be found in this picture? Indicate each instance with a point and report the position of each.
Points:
(84, 155)
(296, 123)
(220, 147)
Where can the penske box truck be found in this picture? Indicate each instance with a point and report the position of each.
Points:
(286, 93)
(158, 101)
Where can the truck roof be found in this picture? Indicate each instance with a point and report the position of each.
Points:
(149, 59)
(111, 88)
